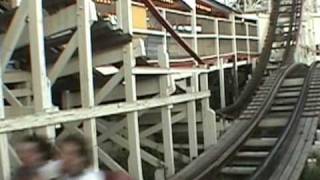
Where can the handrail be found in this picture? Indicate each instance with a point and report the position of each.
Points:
(172, 32)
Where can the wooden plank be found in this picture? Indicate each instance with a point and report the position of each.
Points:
(63, 59)
(40, 82)
(18, 111)
(12, 100)
(192, 118)
(112, 131)
(159, 147)
(13, 34)
(109, 162)
(209, 123)
(16, 76)
(21, 92)
(4, 144)
(86, 74)
(153, 129)
(109, 86)
(149, 158)
(166, 118)
(66, 116)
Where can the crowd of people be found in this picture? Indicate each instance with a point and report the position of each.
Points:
(68, 160)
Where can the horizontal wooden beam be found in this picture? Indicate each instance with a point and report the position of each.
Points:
(67, 116)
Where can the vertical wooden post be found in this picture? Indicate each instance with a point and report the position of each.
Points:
(166, 118)
(40, 82)
(208, 116)
(221, 68)
(235, 63)
(4, 145)
(248, 43)
(86, 76)
(166, 114)
(194, 28)
(192, 118)
(194, 87)
(135, 167)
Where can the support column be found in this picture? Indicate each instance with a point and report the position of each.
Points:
(194, 28)
(194, 87)
(86, 76)
(40, 82)
(135, 167)
(221, 69)
(248, 44)
(208, 116)
(166, 115)
(4, 144)
(166, 118)
(192, 118)
(235, 63)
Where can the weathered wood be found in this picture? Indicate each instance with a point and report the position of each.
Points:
(13, 34)
(86, 73)
(66, 116)
(166, 118)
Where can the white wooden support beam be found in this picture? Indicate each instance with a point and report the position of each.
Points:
(221, 68)
(208, 115)
(194, 28)
(166, 113)
(13, 34)
(75, 115)
(8, 95)
(109, 86)
(119, 13)
(64, 58)
(156, 128)
(134, 161)
(194, 87)
(248, 44)
(235, 63)
(159, 147)
(149, 158)
(40, 82)
(4, 144)
(108, 161)
(86, 76)
(114, 129)
(192, 118)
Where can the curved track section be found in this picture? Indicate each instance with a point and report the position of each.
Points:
(278, 50)
(250, 140)
(274, 136)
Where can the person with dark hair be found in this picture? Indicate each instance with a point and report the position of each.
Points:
(35, 153)
(76, 161)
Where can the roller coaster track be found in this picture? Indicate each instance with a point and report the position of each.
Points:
(274, 135)
(278, 49)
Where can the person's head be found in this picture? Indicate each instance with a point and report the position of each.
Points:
(75, 154)
(34, 150)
